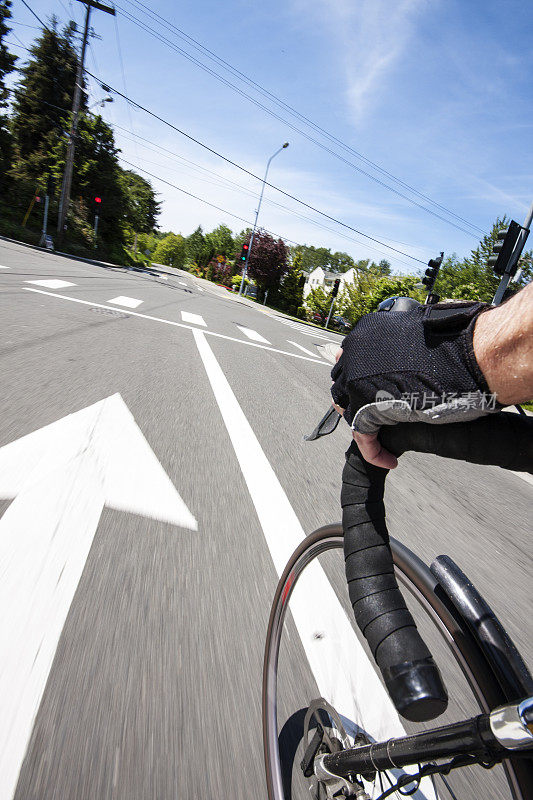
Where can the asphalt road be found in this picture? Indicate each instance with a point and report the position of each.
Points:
(154, 690)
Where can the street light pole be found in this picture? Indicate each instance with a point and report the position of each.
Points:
(245, 270)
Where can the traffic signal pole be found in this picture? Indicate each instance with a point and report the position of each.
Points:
(76, 100)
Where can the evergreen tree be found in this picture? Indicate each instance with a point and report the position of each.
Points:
(96, 174)
(142, 208)
(43, 99)
(7, 63)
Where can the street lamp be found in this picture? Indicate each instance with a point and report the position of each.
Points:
(101, 102)
(245, 270)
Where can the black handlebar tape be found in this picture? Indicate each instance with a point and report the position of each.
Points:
(411, 676)
(503, 440)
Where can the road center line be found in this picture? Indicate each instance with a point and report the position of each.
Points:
(341, 669)
(176, 325)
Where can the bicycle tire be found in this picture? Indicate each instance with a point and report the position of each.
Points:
(414, 576)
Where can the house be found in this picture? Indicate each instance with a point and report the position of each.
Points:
(325, 279)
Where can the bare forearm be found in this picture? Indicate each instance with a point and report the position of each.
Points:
(503, 344)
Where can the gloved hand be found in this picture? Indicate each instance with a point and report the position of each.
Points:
(417, 365)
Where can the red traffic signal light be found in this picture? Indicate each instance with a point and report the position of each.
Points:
(37, 198)
(244, 252)
(335, 290)
(97, 199)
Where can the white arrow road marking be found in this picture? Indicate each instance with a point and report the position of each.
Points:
(303, 349)
(342, 671)
(128, 302)
(53, 284)
(256, 337)
(62, 476)
(195, 319)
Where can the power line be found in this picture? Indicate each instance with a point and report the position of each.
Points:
(251, 174)
(269, 95)
(248, 172)
(202, 200)
(234, 186)
(30, 9)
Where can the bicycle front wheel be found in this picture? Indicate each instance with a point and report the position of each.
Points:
(289, 709)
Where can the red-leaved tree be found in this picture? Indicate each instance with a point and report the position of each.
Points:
(268, 260)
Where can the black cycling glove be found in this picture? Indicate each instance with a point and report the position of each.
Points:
(412, 366)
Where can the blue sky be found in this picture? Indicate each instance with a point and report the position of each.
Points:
(435, 92)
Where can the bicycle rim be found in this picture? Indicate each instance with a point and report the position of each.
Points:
(414, 577)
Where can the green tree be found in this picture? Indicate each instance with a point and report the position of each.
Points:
(96, 174)
(142, 208)
(319, 301)
(7, 63)
(170, 251)
(222, 242)
(341, 262)
(43, 98)
(472, 278)
(199, 250)
(290, 296)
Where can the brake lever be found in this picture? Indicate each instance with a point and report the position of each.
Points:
(327, 425)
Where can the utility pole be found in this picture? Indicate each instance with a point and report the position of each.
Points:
(69, 164)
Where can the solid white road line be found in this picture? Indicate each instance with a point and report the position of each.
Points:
(196, 319)
(177, 325)
(128, 302)
(256, 337)
(303, 349)
(53, 284)
(61, 477)
(342, 671)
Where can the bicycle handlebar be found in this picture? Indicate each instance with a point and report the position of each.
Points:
(411, 676)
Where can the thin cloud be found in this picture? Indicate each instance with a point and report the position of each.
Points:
(371, 36)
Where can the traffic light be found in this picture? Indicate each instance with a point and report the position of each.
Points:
(432, 271)
(97, 200)
(503, 247)
(244, 252)
(335, 290)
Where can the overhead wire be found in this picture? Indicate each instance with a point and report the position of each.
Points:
(245, 78)
(234, 186)
(306, 121)
(250, 173)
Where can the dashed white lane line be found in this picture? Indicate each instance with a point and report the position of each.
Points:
(253, 335)
(195, 319)
(53, 284)
(199, 288)
(127, 302)
(303, 349)
(182, 283)
(178, 325)
(1, 267)
(342, 670)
